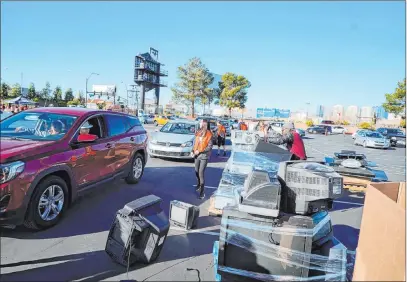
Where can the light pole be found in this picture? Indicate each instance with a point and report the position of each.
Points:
(86, 89)
(307, 110)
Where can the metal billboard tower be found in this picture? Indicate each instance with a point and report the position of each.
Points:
(147, 75)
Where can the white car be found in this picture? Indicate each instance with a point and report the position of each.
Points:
(372, 139)
(338, 129)
(174, 140)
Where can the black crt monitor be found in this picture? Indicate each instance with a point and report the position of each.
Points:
(308, 187)
(261, 194)
(138, 232)
(252, 243)
(183, 214)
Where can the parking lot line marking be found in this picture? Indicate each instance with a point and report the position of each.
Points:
(200, 231)
(349, 203)
(209, 187)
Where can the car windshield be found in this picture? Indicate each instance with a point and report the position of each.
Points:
(179, 128)
(37, 126)
(373, 134)
(224, 123)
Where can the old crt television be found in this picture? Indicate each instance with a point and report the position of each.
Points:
(261, 194)
(243, 137)
(309, 187)
(273, 151)
(247, 243)
(138, 232)
(183, 215)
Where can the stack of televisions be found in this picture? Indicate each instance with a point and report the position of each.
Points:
(275, 222)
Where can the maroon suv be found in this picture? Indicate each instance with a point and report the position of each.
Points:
(49, 156)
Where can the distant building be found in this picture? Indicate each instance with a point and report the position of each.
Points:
(328, 112)
(381, 112)
(272, 113)
(320, 111)
(337, 112)
(351, 114)
(172, 107)
(366, 114)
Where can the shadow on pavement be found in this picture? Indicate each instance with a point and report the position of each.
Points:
(347, 235)
(95, 211)
(97, 265)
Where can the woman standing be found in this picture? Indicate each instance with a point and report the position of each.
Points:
(201, 152)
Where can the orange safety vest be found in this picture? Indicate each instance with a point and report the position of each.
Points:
(201, 145)
(243, 126)
(221, 130)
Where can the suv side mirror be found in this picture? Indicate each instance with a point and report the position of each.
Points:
(86, 138)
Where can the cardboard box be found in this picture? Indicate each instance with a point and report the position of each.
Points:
(381, 251)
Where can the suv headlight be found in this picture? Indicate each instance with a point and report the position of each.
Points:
(10, 171)
(187, 144)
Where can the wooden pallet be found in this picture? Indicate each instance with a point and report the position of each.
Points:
(355, 184)
(212, 211)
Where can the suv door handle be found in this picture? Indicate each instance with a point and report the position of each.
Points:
(108, 145)
(132, 138)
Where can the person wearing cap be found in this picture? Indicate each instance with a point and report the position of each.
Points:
(84, 132)
(292, 140)
(201, 153)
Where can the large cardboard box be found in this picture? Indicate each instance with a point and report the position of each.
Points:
(381, 251)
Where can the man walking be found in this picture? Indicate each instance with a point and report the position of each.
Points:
(201, 152)
(221, 138)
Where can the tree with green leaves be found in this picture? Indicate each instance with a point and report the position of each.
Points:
(15, 91)
(396, 101)
(31, 92)
(69, 95)
(74, 102)
(81, 98)
(57, 95)
(232, 92)
(46, 91)
(5, 91)
(193, 85)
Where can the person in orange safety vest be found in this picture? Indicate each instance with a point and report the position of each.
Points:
(221, 137)
(201, 152)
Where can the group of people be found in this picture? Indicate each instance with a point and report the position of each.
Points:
(13, 108)
(203, 146)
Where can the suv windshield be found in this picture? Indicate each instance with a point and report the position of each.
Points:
(37, 126)
(395, 131)
(179, 128)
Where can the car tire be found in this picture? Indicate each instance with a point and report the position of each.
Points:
(136, 169)
(33, 218)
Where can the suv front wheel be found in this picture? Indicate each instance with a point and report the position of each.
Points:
(136, 170)
(48, 203)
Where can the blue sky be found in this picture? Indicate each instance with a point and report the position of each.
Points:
(292, 52)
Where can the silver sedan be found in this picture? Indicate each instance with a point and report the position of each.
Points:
(372, 139)
(174, 140)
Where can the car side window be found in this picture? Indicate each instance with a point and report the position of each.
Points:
(133, 122)
(117, 125)
(97, 127)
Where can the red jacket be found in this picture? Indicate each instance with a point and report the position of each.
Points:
(297, 147)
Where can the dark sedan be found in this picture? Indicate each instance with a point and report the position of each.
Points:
(316, 130)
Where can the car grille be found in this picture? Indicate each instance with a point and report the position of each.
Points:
(171, 144)
(169, 154)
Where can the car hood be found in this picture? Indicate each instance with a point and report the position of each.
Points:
(12, 150)
(171, 137)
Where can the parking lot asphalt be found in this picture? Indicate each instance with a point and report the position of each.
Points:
(74, 249)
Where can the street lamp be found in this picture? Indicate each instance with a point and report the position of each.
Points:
(307, 110)
(87, 79)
